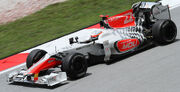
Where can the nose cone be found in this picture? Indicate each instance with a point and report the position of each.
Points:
(37, 67)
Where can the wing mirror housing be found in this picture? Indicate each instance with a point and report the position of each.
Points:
(71, 40)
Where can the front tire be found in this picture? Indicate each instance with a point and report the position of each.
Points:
(34, 57)
(164, 31)
(75, 65)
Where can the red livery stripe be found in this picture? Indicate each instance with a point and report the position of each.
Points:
(13, 61)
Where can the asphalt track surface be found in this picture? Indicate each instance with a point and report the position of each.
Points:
(152, 70)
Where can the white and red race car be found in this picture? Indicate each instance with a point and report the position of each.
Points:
(145, 24)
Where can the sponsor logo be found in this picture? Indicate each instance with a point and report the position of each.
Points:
(50, 61)
(128, 44)
(129, 18)
(126, 18)
(52, 79)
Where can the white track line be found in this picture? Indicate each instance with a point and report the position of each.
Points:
(12, 68)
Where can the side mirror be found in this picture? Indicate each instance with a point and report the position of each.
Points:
(71, 40)
(76, 38)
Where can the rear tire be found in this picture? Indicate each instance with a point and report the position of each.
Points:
(75, 65)
(164, 31)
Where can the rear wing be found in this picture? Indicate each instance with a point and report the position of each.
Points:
(160, 12)
(155, 9)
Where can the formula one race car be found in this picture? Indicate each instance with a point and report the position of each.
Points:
(145, 24)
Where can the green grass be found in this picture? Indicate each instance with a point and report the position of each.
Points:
(55, 21)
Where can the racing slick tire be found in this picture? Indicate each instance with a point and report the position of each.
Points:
(75, 65)
(164, 31)
(34, 57)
